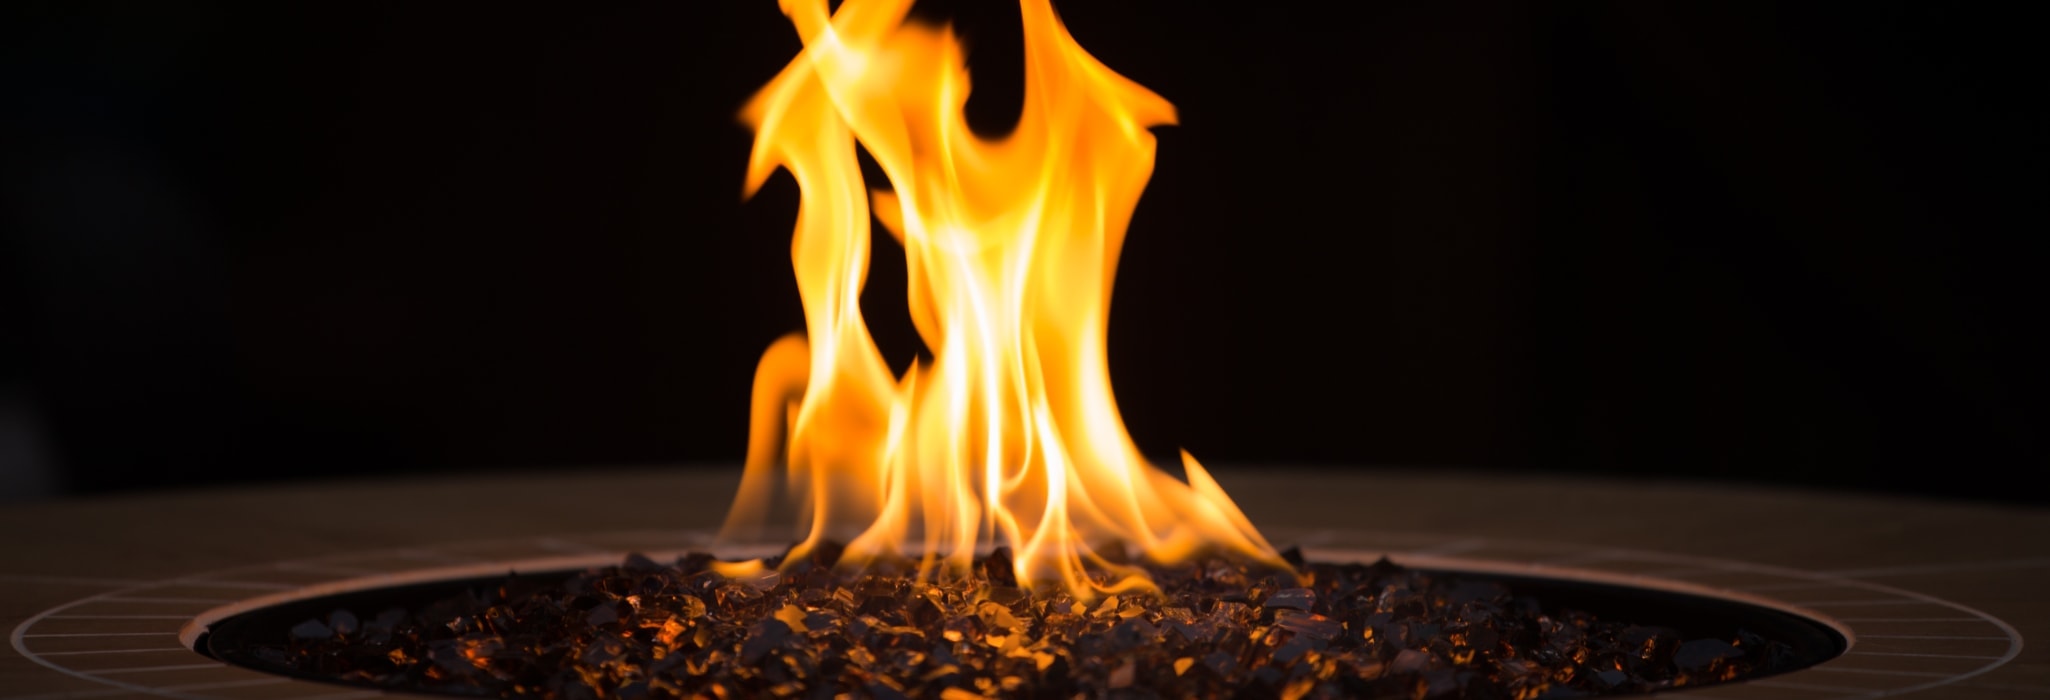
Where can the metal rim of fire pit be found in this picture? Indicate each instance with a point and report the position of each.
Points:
(1899, 641)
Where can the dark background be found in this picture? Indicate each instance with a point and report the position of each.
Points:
(1797, 243)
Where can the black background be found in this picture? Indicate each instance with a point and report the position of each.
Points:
(1797, 243)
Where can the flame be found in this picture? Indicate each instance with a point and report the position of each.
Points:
(1009, 434)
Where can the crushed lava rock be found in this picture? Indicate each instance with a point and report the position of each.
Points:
(644, 630)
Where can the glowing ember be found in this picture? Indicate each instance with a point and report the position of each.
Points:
(1010, 434)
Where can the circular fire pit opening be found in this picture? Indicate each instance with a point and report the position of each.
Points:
(642, 629)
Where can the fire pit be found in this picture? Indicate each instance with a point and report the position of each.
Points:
(111, 597)
(1098, 571)
(981, 524)
(648, 629)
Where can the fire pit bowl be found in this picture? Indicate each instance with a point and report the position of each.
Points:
(111, 597)
(435, 637)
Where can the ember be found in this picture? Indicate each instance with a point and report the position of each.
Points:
(1217, 628)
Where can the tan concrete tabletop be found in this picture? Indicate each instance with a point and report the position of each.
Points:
(100, 596)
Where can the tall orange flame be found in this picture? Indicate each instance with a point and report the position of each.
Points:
(1010, 434)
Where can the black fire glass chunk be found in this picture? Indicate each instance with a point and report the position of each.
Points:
(1265, 678)
(762, 638)
(1382, 568)
(1469, 592)
(602, 614)
(312, 629)
(1221, 663)
(880, 691)
(881, 606)
(1131, 633)
(1483, 637)
(1410, 661)
(637, 562)
(827, 553)
(1293, 598)
(1440, 683)
(923, 612)
(1294, 556)
(1701, 653)
(343, 622)
(272, 655)
(1292, 650)
(1648, 643)
(603, 651)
